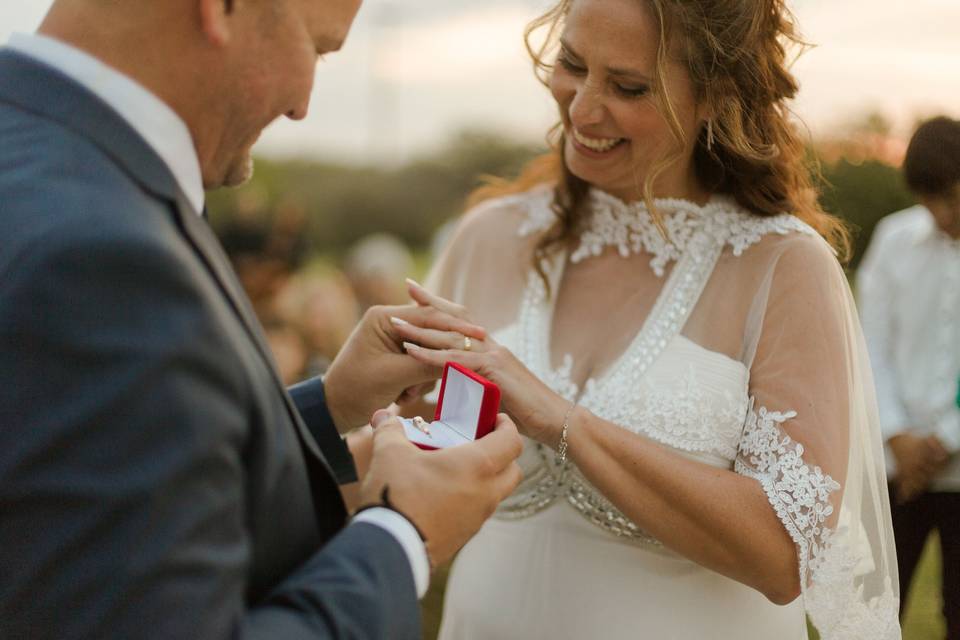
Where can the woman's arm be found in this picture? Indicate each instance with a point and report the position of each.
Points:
(716, 517)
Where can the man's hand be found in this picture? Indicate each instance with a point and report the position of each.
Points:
(447, 494)
(372, 370)
(919, 459)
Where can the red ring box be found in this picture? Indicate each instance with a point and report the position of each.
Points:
(466, 410)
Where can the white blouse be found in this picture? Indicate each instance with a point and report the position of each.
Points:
(908, 290)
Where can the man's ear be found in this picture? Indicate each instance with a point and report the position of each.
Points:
(215, 20)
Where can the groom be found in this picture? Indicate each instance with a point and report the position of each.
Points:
(156, 479)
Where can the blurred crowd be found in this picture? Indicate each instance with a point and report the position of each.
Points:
(308, 305)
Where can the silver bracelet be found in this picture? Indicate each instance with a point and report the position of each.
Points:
(562, 447)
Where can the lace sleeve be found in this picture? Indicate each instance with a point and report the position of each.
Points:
(812, 440)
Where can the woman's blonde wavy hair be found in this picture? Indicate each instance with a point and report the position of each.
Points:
(735, 52)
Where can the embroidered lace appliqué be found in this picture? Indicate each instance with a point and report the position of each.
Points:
(800, 495)
(630, 228)
(689, 417)
(836, 604)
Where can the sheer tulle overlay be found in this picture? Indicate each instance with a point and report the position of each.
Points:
(735, 343)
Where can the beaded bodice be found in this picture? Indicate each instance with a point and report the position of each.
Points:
(663, 385)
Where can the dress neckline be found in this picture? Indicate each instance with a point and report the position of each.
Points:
(673, 305)
(630, 228)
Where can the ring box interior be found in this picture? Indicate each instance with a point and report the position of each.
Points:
(466, 410)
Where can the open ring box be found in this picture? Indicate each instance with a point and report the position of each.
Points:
(466, 410)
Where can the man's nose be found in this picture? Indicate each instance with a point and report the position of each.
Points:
(301, 103)
(299, 112)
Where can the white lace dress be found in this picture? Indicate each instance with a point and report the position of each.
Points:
(734, 344)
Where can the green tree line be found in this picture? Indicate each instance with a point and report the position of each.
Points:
(340, 203)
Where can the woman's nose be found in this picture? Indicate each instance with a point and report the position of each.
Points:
(587, 106)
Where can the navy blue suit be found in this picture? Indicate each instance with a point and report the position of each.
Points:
(156, 479)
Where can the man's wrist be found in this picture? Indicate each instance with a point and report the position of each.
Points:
(407, 535)
(309, 397)
(331, 393)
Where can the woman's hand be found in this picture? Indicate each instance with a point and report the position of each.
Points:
(372, 371)
(536, 409)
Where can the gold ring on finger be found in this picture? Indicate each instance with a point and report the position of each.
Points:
(467, 343)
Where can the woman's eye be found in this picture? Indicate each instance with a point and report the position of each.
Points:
(569, 64)
(633, 92)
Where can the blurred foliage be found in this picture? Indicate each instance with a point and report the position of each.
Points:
(342, 203)
(861, 193)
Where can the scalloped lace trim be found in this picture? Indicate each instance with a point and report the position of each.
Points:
(629, 227)
(800, 495)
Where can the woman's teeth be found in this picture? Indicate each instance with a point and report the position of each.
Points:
(596, 144)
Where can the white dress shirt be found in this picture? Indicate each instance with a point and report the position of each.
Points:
(909, 294)
(169, 136)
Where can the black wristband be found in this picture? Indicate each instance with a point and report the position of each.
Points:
(386, 504)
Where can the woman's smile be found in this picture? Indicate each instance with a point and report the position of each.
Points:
(594, 146)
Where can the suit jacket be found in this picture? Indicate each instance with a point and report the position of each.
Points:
(156, 479)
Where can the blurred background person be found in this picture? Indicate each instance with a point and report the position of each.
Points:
(377, 266)
(265, 252)
(289, 349)
(320, 302)
(909, 290)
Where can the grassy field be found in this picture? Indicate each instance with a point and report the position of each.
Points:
(923, 619)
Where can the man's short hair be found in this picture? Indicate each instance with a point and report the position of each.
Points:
(932, 164)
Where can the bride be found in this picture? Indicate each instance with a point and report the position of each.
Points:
(672, 331)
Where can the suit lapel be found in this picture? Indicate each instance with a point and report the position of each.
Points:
(37, 88)
(198, 233)
(208, 247)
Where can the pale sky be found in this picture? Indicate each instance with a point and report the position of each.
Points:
(415, 71)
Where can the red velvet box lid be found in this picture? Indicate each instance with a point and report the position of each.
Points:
(466, 410)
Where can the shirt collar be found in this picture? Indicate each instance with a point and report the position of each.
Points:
(157, 123)
(935, 236)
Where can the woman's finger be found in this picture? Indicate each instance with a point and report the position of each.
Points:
(434, 339)
(426, 299)
(439, 357)
(433, 318)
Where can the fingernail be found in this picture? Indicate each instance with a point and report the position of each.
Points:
(400, 322)
(410, 346)
(414, 283)
(381, 416)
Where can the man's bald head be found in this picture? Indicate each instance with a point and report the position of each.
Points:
(227, 67)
